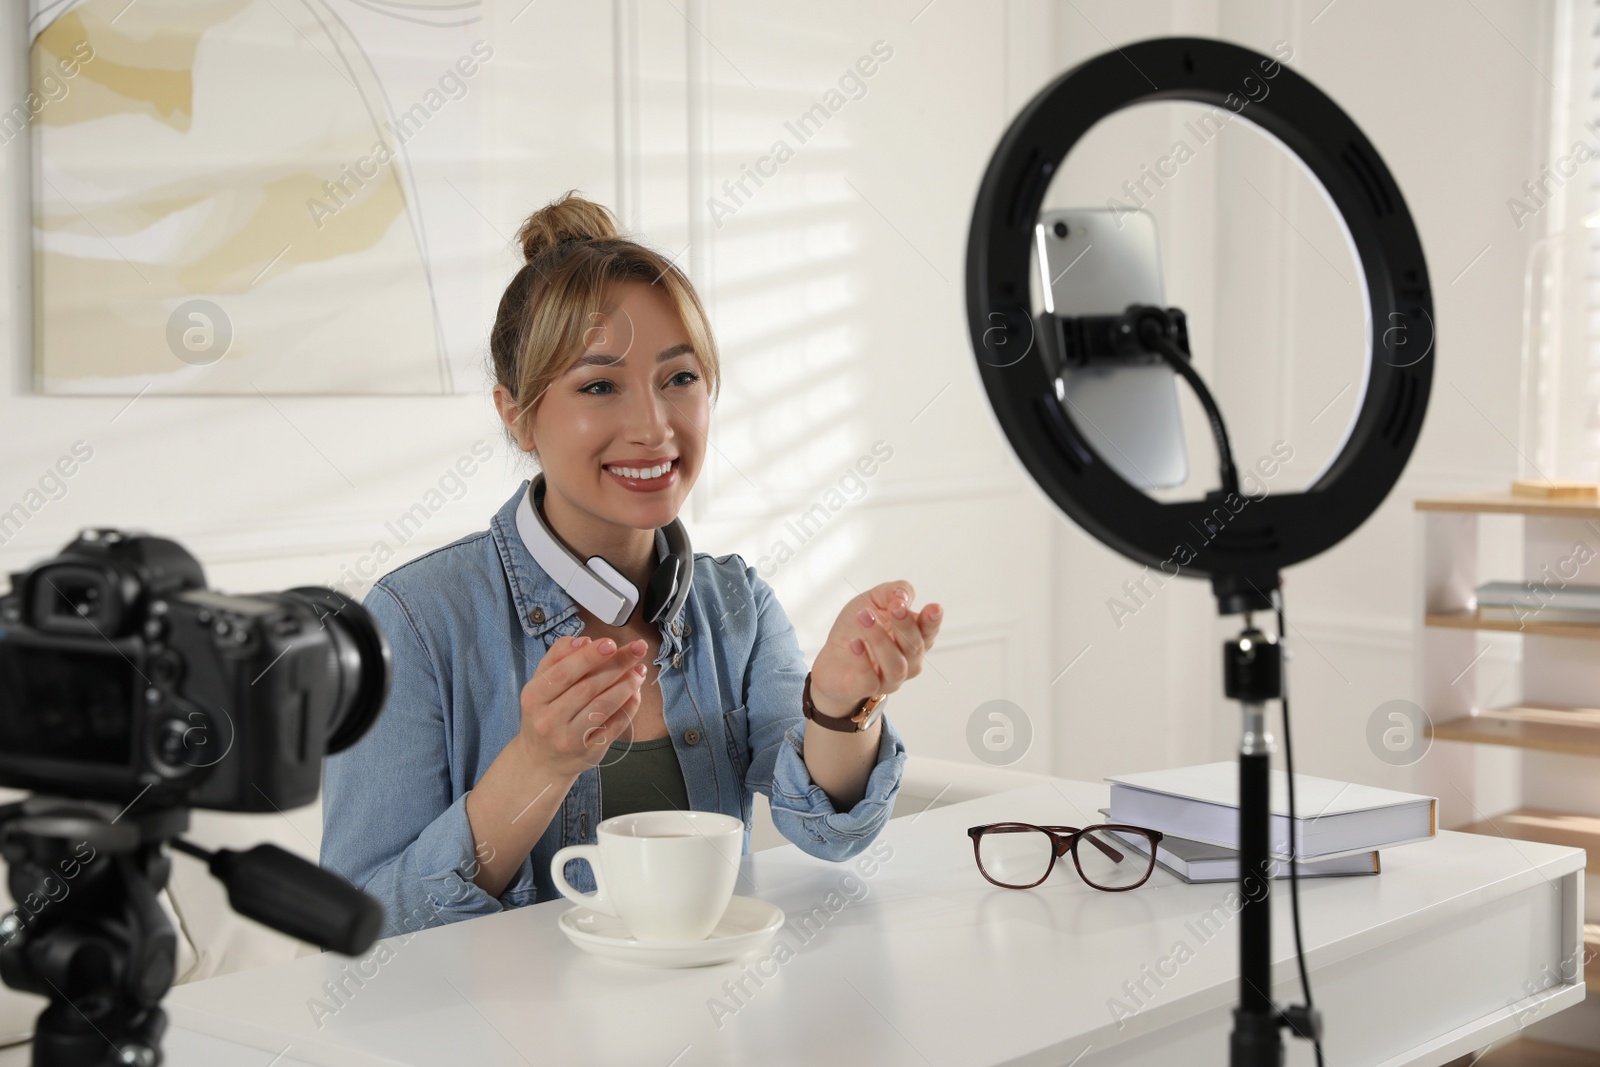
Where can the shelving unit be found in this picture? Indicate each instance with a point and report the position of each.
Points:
(1551, 827)
(1558, 709)
(1528, 726)
(1459, 621)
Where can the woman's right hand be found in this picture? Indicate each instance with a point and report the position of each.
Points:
(581, 697)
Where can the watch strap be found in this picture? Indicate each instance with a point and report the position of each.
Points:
(858, 720)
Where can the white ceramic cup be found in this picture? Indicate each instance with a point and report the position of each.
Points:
(667, 875)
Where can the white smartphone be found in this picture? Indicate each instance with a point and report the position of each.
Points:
(1097, 261)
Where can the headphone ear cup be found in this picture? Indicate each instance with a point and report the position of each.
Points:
(668, 588)
(659, 594)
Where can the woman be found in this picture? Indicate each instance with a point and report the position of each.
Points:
(512, 702)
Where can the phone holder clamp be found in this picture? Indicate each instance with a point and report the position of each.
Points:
(1075, 342)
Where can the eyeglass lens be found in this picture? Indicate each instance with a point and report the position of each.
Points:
(1100, 866)
(1015, 856)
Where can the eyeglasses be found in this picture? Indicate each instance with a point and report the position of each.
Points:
(1020, 855)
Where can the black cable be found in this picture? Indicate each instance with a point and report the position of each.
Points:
(192, 849)
(1155, 339)
(1153, 335)
(1294, 874)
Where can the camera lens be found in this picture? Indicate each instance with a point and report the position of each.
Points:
(1061, 229)
(361, 662)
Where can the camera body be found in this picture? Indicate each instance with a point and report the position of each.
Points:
(123, 677)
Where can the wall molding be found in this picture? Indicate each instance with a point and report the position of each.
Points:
(1384, 633)
(625, 96)
(880, 494)
(265, 539)
(952, 781)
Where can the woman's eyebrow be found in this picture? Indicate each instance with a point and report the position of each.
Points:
(601, 359)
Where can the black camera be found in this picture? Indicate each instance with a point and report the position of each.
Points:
(126, 684)
(122, 676)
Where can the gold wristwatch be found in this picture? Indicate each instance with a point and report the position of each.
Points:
(866, 713)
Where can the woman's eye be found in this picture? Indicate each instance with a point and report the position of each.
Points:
(691, 375)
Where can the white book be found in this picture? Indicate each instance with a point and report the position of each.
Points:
(1196, 861)
(1520, 613)
(1334, 818)
(1531, 596)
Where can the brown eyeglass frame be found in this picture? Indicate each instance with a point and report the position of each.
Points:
(1064, 838)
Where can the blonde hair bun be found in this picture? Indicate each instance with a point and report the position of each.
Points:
(568, 217)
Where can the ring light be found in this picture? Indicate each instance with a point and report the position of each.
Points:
(1243, 554)
(1284, 528)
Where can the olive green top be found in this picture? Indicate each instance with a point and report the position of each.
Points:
(641, 776)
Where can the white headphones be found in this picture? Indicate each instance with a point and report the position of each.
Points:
(599, 586)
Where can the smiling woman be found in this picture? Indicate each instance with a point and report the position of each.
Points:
(517, 719)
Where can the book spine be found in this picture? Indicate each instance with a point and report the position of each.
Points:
(1537, 614)
(1573, 597)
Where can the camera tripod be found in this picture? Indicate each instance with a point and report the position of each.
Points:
(89, 933)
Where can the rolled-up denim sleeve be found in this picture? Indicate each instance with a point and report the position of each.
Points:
(800, 808)
(389, 821)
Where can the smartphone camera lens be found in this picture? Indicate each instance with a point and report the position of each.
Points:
(1061, 230)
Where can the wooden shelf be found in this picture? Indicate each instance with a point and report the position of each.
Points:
(1550, 827)
(1545, 727)
(1504, 503)
(1461, 620)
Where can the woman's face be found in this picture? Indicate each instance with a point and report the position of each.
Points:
(621, 405)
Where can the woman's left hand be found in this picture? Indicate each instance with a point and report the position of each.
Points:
(876, 644)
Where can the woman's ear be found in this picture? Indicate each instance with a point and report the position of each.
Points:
(507, 407)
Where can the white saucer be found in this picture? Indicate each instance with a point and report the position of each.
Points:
(746, 926)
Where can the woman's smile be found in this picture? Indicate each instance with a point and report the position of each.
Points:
(646, 485)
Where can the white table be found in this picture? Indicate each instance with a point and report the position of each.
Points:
(1458, 941)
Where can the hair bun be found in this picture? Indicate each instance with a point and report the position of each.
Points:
(569, 217)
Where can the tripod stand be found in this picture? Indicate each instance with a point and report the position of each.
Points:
(95, 939)
(90, 934)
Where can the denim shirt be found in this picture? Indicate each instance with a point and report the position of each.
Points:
(467, 624)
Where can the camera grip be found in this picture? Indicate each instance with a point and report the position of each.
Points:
(295, 896)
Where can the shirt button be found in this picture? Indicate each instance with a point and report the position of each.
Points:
(691, 736)
(537, 615)
(677, 659)
(676, 629)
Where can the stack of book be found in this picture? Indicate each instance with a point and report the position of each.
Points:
(1521, 602)
(1338, 829)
